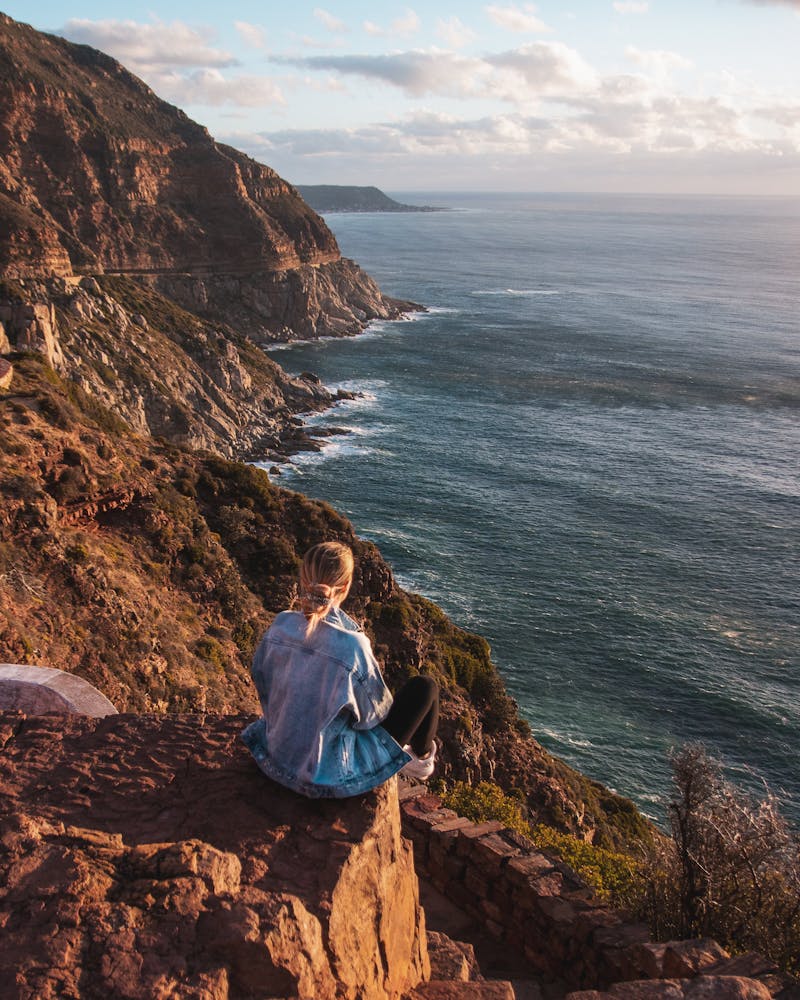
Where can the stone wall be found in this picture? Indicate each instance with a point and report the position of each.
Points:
(537, 905)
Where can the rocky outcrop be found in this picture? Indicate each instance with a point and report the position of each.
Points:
(149, 858)
(31, 327)
(160, 369)
(99, 175)
(331, 300)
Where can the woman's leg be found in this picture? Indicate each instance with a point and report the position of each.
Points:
(414, 715)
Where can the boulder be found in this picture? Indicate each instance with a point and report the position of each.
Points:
(148, 857)
(688, 958)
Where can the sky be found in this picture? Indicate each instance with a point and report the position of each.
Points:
(640, 96)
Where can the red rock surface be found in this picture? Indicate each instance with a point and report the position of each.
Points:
(147, 857)
(700, 988)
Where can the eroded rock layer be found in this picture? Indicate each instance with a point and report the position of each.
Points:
(145, 857)
(98, 175)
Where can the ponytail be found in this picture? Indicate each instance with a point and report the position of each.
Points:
(325, 578)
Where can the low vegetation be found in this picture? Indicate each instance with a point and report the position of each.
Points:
(613, 875)
(730, 870)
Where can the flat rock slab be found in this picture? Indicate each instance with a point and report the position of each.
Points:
(148, 857)
(38, 690)
(439, 990)
(699, 988)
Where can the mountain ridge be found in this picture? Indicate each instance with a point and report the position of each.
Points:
(99, 175)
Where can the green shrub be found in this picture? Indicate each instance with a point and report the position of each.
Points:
(486, 801)
(614, 876)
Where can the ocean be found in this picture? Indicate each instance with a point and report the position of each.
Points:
(587, 451)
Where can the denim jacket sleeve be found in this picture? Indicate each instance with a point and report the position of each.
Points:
(371, 695)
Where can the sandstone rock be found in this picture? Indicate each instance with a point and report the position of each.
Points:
(451, 960)
(6, 373)
(688, 958)
(700, 988)
(146, 857)
(497, 989)
(725, 988)
(665, 989)
(32, 326)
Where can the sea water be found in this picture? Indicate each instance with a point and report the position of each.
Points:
(587, 451)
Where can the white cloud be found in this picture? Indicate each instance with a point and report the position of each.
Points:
(251, 34)
(210, 87)
(332, 23)
(657, 62)
(777, 3)
(522, 20)
(142, 46)
(517, 76)
(407, 24)
(631, 6)
(547, 68)
(453, 32)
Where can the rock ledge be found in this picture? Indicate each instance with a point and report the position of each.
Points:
(147, 857)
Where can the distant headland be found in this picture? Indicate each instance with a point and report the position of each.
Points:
(349, 198)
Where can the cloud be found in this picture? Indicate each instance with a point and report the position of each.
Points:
(453, 32)
(210, 87)
(417, 73)
(516, 76)
(547, 67)
(251, 34)
(776, 3)
(522, 20)
(332, 23)
(787, 115)
(407, 24)
(143, 46)
(631, 6)
(657, 62)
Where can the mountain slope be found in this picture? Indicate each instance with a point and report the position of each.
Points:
(99, 175)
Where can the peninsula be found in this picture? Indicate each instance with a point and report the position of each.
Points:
(326, 198)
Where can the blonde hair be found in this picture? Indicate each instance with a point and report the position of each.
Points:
(325, 578)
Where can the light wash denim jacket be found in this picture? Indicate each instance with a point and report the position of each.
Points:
(323, 699)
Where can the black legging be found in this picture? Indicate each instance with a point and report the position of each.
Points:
(414, 715)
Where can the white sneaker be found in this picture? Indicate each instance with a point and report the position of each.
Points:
(420, 768)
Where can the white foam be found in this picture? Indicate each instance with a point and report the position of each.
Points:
(517, 291)
(564, 738)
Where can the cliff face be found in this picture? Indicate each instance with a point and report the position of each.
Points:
(161, 370)
(99, 175)
(117, 883)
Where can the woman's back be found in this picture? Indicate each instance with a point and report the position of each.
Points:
(322, 696)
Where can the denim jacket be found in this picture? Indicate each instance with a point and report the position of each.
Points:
(323, 699)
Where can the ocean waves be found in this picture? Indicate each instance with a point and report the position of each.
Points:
(602, 481)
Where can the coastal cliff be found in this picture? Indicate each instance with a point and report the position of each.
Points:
(98, 175)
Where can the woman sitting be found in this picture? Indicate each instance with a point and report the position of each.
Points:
(330, 727)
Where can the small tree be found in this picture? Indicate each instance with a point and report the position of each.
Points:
(731, 869)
